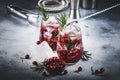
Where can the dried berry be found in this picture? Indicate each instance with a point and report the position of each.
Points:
(102, 70)
(35, 63)
(79, 69)
(27, 56)
(54, 65)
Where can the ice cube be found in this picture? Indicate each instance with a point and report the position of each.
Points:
(41, 52)
(73, 30)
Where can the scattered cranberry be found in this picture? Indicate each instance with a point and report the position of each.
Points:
(97, 71)
(79, 69)
(27, 56)
(35, 63)
(38, 42)
(65, 72)
(102, 70)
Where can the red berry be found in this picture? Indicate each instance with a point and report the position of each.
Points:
(97, 71)
(27, 56)
(65, 72)
(53, 45)
(80, 68)
(102, 70)
(65, 38)
(38, 42)
(35, 63)
(43, 28)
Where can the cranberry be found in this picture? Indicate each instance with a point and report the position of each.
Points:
(38, 42)
(73, 56)
(97, 71)
(53, 45)
(79, 69)
(35, 63)
(27, 56)
(102, 70)
(43, 28)
(65, 72)
(77, 41)
(55, 39)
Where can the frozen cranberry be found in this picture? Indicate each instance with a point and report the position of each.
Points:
(27, 56)
(35, 63)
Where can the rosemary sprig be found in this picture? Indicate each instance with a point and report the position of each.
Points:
(62, 19)
(69, 44)
(38, 68)
(86, 56)
(43, 12)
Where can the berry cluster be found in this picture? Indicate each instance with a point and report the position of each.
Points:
(54, 65)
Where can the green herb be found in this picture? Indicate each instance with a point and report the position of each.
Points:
(62, 19)
(86, 56)
(54, 33)
(69, 44)
(38, 68)
(43, 12)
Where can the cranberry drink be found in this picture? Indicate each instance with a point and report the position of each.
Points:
(67, 41)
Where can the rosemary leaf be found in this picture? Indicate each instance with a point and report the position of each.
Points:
(43, 12)
(62, 19)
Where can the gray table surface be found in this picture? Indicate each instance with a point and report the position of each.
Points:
(101, 39)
